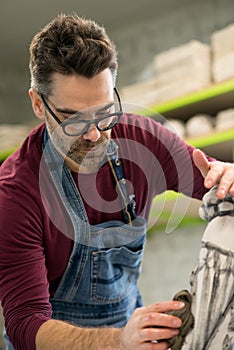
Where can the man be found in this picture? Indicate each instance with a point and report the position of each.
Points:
(75, 198)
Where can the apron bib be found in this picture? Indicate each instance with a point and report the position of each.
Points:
(99, 286)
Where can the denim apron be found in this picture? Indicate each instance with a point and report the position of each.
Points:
(99, 286)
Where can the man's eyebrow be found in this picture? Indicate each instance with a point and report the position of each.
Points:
(71, 111)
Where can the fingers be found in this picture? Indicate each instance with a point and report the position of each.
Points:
(226, 182)
(223, 174)
(164, 306)
(149, 327)
(201, 162)
(216, 172)
(152, 334)
(160, 320)
(154, 316)
(154, 346)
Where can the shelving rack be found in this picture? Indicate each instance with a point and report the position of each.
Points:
(5, 153)
(218, 144)
(211, 100)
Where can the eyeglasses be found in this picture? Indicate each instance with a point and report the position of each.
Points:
(75, 126)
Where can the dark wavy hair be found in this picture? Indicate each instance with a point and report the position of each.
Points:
(67, 45)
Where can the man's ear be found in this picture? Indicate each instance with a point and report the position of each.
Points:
(37, 104)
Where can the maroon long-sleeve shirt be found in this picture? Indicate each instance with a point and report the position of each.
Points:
(34, 252)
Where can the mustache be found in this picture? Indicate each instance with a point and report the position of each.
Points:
(88, 145)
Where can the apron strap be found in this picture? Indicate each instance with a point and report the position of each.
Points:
(128, 201)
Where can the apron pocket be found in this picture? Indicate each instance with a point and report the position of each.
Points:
(115, 273)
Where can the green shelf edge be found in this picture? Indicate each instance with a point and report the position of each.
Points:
(161, 225)
(6, 153)
(201, 95)
(212, 139)
(166, 215)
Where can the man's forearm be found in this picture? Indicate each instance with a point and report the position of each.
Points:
(58, 335)
(147, 324)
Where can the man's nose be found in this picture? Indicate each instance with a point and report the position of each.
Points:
(93, 134)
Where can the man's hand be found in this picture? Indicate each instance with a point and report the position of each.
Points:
(149, 327)
(216, 172)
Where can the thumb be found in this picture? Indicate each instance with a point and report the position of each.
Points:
(201, 162)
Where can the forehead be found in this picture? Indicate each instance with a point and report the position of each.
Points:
(77, 92)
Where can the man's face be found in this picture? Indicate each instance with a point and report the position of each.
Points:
(88, 98)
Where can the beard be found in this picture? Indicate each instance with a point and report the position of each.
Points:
(87, 154)
(83, 152)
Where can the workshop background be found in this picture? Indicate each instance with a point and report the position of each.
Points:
(142, 30)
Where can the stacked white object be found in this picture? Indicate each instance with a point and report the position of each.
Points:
(222, 46)
(225, 119)
(12, 135)
(183, 70)
(139, 95)
(191, 60)
(177, 126)
(200, 124)
(178, 71)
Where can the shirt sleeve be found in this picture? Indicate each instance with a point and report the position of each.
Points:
(175, 157)
(24, 291)
(168, 157)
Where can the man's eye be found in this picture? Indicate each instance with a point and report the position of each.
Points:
(64, 116)
(103, 113)
(100, 115)
(71, 116)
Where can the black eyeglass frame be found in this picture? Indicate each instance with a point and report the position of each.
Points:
(64, 124)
